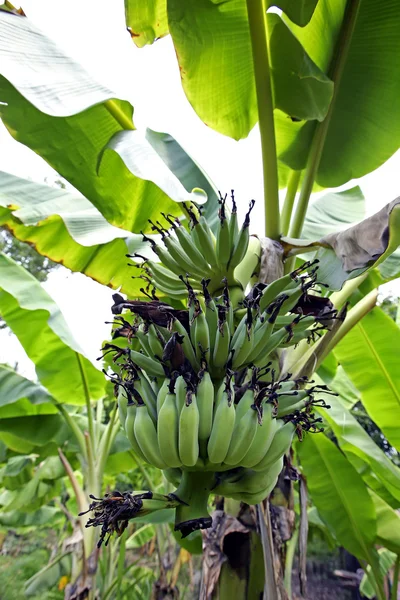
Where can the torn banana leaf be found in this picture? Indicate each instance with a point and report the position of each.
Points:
(349, 253)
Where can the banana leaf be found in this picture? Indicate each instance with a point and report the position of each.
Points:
(38, 323)
(369, 355)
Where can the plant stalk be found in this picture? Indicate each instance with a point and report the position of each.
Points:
(75, 429)
(290, 554)
(257, 14)
(321, 129)
(293, 184)
(396, 574)
(194, 489)
(350, 286)
(86, 392)
(362, 308)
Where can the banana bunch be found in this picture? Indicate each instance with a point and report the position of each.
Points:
(198, 386)
(191, 248)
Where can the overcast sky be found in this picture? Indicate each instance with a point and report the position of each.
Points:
(94, 33)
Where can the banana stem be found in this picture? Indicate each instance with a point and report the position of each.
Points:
(290, 553)
(194, 489)
(321, 130)
(293, 184)
(257, 13)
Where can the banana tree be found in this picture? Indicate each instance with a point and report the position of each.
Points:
(318, 100)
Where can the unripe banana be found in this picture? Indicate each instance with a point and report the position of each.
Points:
(222, 429)
(211, 313)
(168, 432)
(130, 432)
(151, 366)
(181, 258)
(205, 241)
(223, 247)
(233, 225)
(163, 275)
(244, 404)
(187, 346)
(122, 407)
(188, 245)
(167, 259)
(270, 481)
(243, 346)
(242, 437)
(143, 340)
(201, 337)
(189, 431)
(262, 440)
(288, 401)
(180, 393)
(146, 436)
(205, 404)
(275, 288)
(279, 446)
(162, 394)
(250, 263)
(148, 395)
(271, 344)
(173, 476)
(242, 242)
(221, 349)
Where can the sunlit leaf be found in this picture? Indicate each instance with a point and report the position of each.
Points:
(43, 332)
(364, 114)
(369, 355)
(147, 20)
(339, 494)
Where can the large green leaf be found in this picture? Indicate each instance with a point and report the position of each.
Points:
(67, 228)
(364, 113)
(369, 355)
(49, 103)
(368, 582)
(146, 20)
(388, 524)
(213, 47)
(298, 11)
(339, 494)
(43, 332)
(22, 397)
(334, 212)
(354, 440)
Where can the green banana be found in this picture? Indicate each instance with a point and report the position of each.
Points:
(189, 246)
(279, 446)
(244, 404)
(181, 258)
(262, 440)
(242, 241)
(130, 431)
(271, 344)
(168, 432)
(146, 436)
(189, 431)
(275, 288)
(156, 345)
(287, 402)
(233, 224)
(250, 263)
(205, 404)
(141, 335)
(187, 346)
(242, 437)
(244, 343)
(268, 482)
(163, 276)
(223, 247)
(180, 393)
(122, 407)
(222, 429)
(205, 240)
(151, 366)
(162, 394)
(222, 339)
(201, 336)
(211, 313)
(173, 476)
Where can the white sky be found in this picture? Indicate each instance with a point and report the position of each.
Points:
(94, 33)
